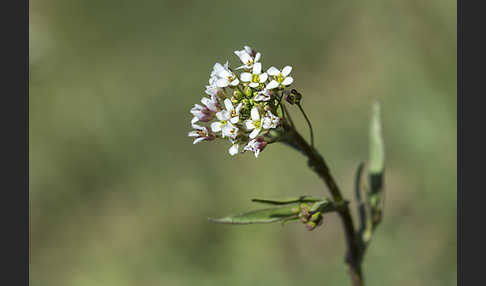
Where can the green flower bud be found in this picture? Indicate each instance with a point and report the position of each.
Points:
(237, 94)
(247, 91)
(310, 225)
(316, 217)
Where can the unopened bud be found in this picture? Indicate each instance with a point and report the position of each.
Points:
(237, 94)
(247, 91)
(293, 97)
(316, 216)
(310, 225)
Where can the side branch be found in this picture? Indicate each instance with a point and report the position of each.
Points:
(318, 165)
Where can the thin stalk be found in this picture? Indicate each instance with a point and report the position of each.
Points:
(319, 166)
(288, 116)
(308, 123)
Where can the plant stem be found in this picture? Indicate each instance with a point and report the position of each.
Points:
(308, 123)
(319, 166)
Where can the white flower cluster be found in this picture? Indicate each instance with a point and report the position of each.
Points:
(241, 105)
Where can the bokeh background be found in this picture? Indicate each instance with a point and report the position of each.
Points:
(120, 196)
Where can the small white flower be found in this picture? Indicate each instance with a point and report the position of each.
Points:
(227, 118)
(280, 78)
(201, 133)
(256, 77)
(213, 90)
(263, 95)
(270, 120)
(206, 112)
(233, 150)
(248, 57)
(256, 146)
(222, 76)
(255, 123)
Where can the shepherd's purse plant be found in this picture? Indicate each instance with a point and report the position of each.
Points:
(249, 108)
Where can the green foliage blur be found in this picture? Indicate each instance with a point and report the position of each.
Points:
(120, 196)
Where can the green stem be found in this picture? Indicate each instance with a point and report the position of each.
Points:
(319, 166)
(308, 123)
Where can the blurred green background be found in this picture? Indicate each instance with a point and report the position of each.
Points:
(120, 196)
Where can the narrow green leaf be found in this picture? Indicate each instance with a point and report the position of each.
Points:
(261, 216)
(376, 167)
(377, 147)
(301, 199)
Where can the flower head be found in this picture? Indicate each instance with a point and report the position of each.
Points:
(241, 106)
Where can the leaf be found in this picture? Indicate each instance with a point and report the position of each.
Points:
(261, 216)
(377, 148)
(301, 199)
(376, 167)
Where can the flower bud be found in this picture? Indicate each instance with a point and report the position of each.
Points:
(237, 94)
(293, 97)
(247, 91)
(310, 225)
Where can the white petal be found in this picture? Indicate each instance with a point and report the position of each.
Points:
(235, 119)
(267, 123)
(233, 150)
(217, 68)
(235, 82)
(245, 58)
(263, 77)
(225, 114)
(273, 71)
(245, 77)
(239, 107)
(239, 53)
(255, 133)
(273, 84)
(220, 115)
(197, 140)
(257, 151)
(259, 97)
(253, 84)
(224, 74)
(248, 147)
(288, 80)
(254, 114)
(193, 134)
(257, 68)
(257, 57)
(242, 67)
(247, 49)
(286, 70)
(198, 127)
(227, 129)
(216, 126)
(249, 124)
(206, 101)
(222, 82)
(228, 104)
(194, 120)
